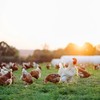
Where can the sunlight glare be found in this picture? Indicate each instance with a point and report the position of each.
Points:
(79, 43)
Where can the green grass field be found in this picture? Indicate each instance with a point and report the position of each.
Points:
(84, 89)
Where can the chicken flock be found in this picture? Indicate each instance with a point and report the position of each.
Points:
(66, 72)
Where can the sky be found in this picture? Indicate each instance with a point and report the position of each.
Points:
(29, 24)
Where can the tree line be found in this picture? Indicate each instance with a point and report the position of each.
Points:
(46, 55)
(9, 53)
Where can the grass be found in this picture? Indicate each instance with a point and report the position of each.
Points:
(85, 89)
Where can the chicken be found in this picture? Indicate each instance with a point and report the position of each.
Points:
(48, 66)
(3, 64)
(3, 71)
(36, 73)
(14, 67)
(26, 77)
(57, 66)
(68, 73)
(96, 67)
(65, 65)
(83, 73)
(54, 78)
(35, 65)
(6, 79)
(27, 65)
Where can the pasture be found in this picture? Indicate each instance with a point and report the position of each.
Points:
(84, 89)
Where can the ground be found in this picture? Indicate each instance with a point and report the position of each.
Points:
(84, 89)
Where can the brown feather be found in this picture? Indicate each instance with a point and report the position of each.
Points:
(84, 72)
(54, 78)
(35, 74)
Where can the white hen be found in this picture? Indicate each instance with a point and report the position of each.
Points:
(68, 73)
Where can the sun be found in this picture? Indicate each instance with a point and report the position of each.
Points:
(79, 44)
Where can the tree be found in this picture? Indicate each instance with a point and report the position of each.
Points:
(97, 49)
(58, 53)
(42, 56)
(71, 49)
(88, 49)
(8, 53)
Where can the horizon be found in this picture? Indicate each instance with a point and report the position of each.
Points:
(97, 46)
(30, 24)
